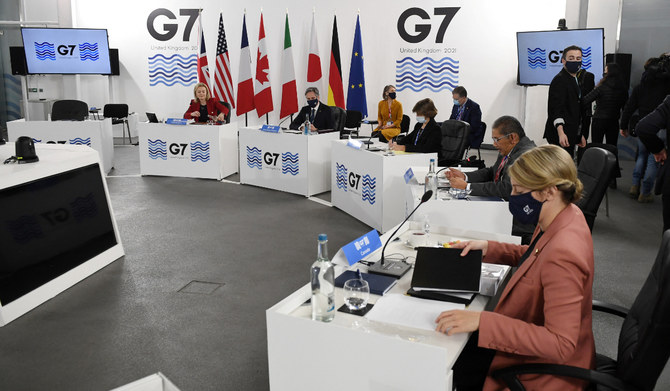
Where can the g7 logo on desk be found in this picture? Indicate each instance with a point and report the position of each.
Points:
(270, 158)
(349, 181)
(423, 30)
(73, 141)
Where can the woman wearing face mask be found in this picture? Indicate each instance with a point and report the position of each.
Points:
(389, 114)
(426, 136)
(204, 108)
(544, 313)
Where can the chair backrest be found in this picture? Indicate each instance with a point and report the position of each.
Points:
(454, 141)
(339, 118)
(404, 124)
(595, 170)
(476, 140)
(644, 345)
(69, 110)
(354, 119)
(608, 147)
(115, 110)
(230, 111)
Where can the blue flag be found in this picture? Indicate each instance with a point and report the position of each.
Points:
(356, 97)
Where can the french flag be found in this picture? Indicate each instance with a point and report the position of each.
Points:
(245, 82)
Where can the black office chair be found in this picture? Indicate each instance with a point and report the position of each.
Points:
(230, 111)
(69, 110)
(339, 116)
(644, 346)
(118, 112)
(352, 124)
(454, 141)
(404, 129)
(596, 170)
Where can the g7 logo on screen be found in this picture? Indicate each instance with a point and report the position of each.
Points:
(170, 29)
(423, 30)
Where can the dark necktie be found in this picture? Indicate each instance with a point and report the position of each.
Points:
(500, 168)
(311, 115)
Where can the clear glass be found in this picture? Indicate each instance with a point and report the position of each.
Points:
(356, 294)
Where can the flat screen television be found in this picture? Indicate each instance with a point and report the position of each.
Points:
(66, 51)
(539, 53)
(50, 226)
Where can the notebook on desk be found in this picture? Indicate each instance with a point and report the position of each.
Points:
(379, 284)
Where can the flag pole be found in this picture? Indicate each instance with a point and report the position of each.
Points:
(267, 119)
(246, 120)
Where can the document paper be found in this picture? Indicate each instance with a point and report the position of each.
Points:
(409, 311)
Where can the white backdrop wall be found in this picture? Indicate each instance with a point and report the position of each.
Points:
(481, 37)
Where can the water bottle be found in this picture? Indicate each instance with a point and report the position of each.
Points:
(323, 284)
(431, 180)
(308, 127)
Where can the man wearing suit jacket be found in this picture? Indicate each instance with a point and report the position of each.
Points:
(317, 113)
(511, 141)
(468, 110)
(564, 120)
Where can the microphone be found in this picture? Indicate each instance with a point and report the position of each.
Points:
(369, 141)
(284, 120)
(396, 269)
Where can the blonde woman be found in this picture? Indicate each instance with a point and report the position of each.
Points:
(389, 114)
(203, 107)
(544, 313)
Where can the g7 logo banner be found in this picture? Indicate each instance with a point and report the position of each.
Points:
(170, 29)
(423, 30)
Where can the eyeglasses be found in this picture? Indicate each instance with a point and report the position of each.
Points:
(497, 139)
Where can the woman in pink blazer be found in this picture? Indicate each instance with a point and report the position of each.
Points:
(544, 313)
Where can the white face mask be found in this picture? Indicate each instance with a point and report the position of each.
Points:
(420, 119)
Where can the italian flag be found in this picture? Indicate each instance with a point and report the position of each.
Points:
(289, 89)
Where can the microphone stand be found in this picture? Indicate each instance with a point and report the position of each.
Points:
(369, 141)
(396, 269)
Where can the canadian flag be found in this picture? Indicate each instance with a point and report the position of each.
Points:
(263, 97)
(314, 60)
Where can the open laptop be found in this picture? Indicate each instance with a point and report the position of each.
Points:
(152, 118)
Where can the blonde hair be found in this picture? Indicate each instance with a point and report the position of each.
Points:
(208, 96)
(546, 166)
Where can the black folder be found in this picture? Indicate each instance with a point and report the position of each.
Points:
(445, 270)
(379, 284)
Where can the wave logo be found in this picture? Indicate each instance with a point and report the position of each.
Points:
(36, 140)
(45, 51)
(84, 207)
(88, 51)
(369, 189)
(200, 151)
(80, 141)
(172, 70)
(25, 229)
(586, 58)
(426, 74)
(290, 163)
(157, 149)
(537, 58)
(254, 158)
(341, 176)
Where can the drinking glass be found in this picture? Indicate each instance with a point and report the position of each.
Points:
(356, 294)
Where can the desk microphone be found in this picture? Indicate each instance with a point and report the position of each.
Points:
(369, 141)
(396, 269)
(284, 120)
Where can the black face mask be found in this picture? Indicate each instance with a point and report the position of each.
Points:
(392, 95)
(312, 103)
(573, 66)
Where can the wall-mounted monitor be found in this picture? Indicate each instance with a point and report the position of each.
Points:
(539, 53)
(66, 51)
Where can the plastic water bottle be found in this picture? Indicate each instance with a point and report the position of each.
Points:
(431, 180)
(308, 127)
(323, 284)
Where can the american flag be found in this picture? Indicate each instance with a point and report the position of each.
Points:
(223, 82)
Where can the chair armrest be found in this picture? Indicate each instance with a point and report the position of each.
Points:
(509, 375)
(613, 309)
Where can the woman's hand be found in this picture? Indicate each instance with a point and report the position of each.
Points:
(195, 114)
(220, 117)
(472, 245)
(457, 321)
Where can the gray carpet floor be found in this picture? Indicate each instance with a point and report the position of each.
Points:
(241, 249)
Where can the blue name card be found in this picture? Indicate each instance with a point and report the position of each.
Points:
(176, 121)
(270, 128)
(359, 248)
(409, 174)
(355, 144)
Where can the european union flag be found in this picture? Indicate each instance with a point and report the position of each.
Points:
(356, 97)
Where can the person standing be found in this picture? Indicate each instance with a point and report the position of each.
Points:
(468, 110)
(564, 106)
(610, 95)
(389, 114)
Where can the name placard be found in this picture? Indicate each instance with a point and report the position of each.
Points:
(270, 128)
(355, 144)
(176, 121)
(359, 248)
(409, 174)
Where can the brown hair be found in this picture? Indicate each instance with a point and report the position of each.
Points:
(546, 166)
(386, 90)
(425, 107)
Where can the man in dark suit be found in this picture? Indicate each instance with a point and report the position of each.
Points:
(468, 110)
(511, 141)
(317, 113)
(564, 119)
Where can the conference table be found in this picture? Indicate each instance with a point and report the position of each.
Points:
(190, 151)
(370, 185)
(95, 134)
(57, 226)
(291, 162)
(353, 352)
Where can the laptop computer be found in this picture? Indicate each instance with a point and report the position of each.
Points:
(152, 118)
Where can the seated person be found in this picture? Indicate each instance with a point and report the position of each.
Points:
(426, 136)
(544, 313)
(317, 113)
(389, 114)
(511, 141)
(468, 110)
(204, 108)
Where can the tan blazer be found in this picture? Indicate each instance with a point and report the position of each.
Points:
(544, 313)
(383, 118)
